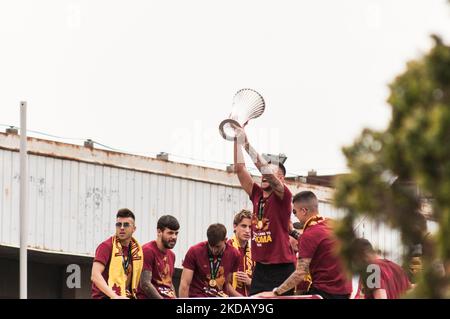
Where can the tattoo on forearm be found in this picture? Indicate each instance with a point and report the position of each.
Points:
(296, 277)
(263, 166)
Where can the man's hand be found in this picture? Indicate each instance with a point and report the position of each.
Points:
(244, 278)
(265, 294)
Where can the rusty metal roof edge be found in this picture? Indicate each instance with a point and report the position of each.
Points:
(47, 250)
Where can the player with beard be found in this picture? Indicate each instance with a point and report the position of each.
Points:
(271, 249)
(159, 261)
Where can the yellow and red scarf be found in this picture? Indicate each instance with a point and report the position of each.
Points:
(117, 277)
(247, 261)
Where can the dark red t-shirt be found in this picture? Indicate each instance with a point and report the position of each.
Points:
(270, 240)
(393, 279)
(197, 260)
(162, 266)
(326, 269)
(103, 255)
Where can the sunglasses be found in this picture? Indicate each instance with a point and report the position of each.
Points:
(125, 225)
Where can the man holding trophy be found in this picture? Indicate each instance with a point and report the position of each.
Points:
(271, 249)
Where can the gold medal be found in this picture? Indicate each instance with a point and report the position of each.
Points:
(260, 224)
(212, 283)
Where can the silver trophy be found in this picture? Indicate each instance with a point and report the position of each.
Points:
(247, 104)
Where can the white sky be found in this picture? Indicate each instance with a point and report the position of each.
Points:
(150, 76)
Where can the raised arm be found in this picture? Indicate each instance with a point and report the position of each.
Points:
(293, 280)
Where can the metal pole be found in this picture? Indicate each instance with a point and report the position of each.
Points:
(23, 200)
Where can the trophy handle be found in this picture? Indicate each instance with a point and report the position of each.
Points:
(228, 122)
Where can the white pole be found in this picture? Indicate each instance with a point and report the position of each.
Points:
(23, 200)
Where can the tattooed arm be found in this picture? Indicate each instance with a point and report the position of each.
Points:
(99, 281)
(270, 175)
(146, 285)
(174, 291)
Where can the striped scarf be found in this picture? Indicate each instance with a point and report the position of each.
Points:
(247, 262)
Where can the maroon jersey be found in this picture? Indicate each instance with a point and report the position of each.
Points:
(161, 264)
(197, 260)
(393, 279)
(270, 232)
(326, 269)
(103, 255)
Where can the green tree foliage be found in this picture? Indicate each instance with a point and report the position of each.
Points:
(413, 150)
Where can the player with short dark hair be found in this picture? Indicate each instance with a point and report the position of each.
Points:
(118, 261)
(271, 249)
